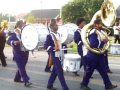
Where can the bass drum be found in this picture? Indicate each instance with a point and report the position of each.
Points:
(34, 36)
(67, 32)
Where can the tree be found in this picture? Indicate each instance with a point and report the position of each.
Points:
(80, 8)
(30, 18)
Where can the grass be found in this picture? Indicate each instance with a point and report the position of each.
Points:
(74, 49)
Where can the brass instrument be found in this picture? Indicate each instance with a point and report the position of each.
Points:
(107, 14)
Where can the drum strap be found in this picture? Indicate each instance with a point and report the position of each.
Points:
(48, 29)
(56, 47)
(50, 61)
(21, 45)
(56, 42)
(79, 30)
(18, 36)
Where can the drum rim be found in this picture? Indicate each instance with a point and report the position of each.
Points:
(71, 58)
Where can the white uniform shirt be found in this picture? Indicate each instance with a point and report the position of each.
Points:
(116, 32)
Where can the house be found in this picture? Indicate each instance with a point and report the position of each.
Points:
(44, 15)
(20, 16)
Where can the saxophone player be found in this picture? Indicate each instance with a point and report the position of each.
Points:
(96, 61)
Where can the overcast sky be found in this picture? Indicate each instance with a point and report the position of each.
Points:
(21, 6)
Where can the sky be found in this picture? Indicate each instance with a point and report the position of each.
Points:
(15, 7)
(21, 6)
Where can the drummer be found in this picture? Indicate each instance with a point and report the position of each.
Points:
(77, 39)
(48, 67)
(20, 54)
(52, 45)
(53, 21)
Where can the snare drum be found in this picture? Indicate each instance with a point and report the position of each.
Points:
(34, 36)
(71, 62)
(115, 49)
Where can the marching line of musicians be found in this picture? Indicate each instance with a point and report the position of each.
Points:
(89, 60)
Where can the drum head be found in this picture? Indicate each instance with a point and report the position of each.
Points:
(71, 26)
(29, 37)
(67, 32)
(64, 33)
(42, 32)
(72, 56)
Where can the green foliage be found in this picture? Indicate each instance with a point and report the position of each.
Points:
(80, 8)
(30, 18)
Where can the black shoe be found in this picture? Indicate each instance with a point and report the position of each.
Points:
(4, 65)
(76, 74)
(52, 88)
(48, 71)
(18, 81)
(91, 77)
(83, 87)
(28, 84)
(111, 87)
(109, 71)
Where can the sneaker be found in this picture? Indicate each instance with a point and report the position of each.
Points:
(111, 87)
(18, 81)
(4, 65)
(28, 84)
(49, 71)
(83, 87)
(76, 74)
(109, 71)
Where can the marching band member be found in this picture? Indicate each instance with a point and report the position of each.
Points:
(2, 45)
(48, 67)
(52, 45)
(116, 29)
(20, 54)
(77, 39)
(96, 61)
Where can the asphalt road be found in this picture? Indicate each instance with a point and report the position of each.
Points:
(39, 78)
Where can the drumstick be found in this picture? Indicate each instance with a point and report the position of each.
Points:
(64, 49)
